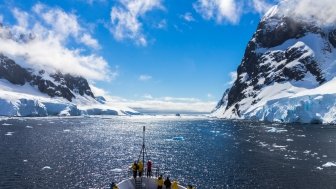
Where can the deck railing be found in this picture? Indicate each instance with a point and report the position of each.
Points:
(155, 172)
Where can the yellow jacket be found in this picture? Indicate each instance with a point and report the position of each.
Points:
(159, 181)
(174, 185)
(140, 166)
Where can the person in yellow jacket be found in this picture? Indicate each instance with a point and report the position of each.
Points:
(159, 182)
(135, 167)
(140, 164)
(175, 185)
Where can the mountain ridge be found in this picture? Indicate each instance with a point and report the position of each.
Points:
(287, 56)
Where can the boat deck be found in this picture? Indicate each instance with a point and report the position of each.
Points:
(147, 183)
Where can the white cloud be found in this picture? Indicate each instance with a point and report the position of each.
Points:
(233, 77)
(21, 18)
(219, 10)
(145, 77)
(47, 31)
(209, 95)
(322, 11)
(261, 6)
(89, 41)
(188, 17)
(98, 91)
(126, 19)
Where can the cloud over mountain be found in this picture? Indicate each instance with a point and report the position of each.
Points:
(50, 38)
(323, 12)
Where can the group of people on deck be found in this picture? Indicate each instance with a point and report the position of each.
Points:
(168, 184)
(139, 168)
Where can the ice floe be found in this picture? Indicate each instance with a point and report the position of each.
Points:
(46, 167)
(329, 164)
(9, 133)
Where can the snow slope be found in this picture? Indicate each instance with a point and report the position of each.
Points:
(287, 74)
(26, 100)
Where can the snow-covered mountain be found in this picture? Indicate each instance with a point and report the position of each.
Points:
(287, 73)
(27, 91)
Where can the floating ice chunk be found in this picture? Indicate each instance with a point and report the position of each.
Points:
(319, 168)
(263, 144)
(275, 130)
(29, 127)
(117, 170)
(306, 151)
(6, 124)
(289, 140)
(66, 130)
(329, 164)
(9, 133)
(216, 132)
(46, 167)
(278, 146)
(324, 156)
(301, 135)
(25, 160)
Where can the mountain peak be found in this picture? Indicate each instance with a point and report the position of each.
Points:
(284, 57)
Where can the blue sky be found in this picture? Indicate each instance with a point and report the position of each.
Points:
(147, 50)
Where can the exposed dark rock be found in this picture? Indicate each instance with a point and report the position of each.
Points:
(261, 67)
(62, 85)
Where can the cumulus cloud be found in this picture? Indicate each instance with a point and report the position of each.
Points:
(89, 41)
(261, 6)
(188, 17)
(230, 11)
(321, 11)
(145, 77)
(40, 39)
(126, 19)
(219, 10)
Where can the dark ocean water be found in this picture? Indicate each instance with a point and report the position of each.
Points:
(92, 152)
